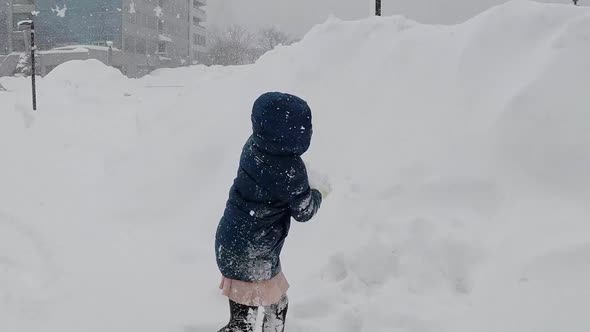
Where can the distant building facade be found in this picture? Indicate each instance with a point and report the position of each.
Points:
(5, 27)
(150, 33)
(198, 32)
(11, 13)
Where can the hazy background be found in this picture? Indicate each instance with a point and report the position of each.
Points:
(298, 16)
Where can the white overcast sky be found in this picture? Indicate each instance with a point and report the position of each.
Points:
(298, 16)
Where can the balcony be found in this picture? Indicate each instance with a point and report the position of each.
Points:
(197, 22)
(199, 3)
(198, 12)
(164, 38)
(199, 28)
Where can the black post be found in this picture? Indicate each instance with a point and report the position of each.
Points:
(378, 8)
(33, 67)
(110, 53)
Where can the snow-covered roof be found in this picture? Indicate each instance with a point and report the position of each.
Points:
(28, 22)
(64, 51)
(87, 47)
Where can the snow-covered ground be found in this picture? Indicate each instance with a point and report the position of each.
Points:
(458, 156)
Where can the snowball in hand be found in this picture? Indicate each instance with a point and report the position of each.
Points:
(319, 181)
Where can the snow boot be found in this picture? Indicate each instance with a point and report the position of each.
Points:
(242, 319)
(275, 316)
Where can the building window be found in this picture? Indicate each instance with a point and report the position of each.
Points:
(162, 47)
(129, 44)
(131, 17)
(140, 46)
(197, 21)
(161, 26)
(100, 43)
(199, 57)
(199, 39)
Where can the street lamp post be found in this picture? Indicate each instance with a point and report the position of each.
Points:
(33, 67)
(28, 28)
(110, 53)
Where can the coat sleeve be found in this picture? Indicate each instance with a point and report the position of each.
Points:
(306, 205)
(304, 202)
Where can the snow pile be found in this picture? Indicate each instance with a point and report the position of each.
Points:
(457, 157)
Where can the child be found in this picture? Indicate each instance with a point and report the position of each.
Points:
(270, 188)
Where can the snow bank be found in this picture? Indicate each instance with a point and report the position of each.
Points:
(84, 72)
(457, 158)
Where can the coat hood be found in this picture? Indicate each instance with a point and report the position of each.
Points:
(281, 124)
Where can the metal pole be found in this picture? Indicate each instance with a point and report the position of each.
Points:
(33, 67)
(110, 53)
(378, 8)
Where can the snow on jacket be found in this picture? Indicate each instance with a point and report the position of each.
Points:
(270, 188)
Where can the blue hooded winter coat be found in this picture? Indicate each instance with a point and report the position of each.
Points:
(270, 188)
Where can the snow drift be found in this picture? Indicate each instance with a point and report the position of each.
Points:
(458, 157)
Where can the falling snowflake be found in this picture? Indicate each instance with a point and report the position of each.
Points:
(60, 12)
(35, 12)
(252, 213)
(159, 12)
(132, 8)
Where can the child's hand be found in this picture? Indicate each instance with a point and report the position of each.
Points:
(324, 193)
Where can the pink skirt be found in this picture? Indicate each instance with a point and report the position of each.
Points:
(255, 294)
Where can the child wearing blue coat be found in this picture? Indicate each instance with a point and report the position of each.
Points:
(271, 187)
